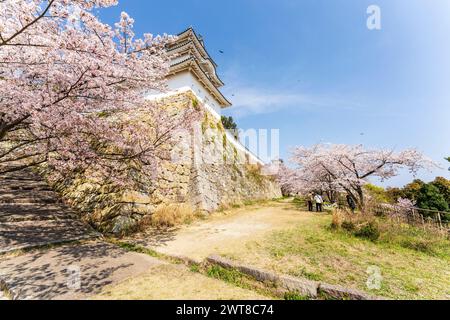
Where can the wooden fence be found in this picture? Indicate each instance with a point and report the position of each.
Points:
(412, 215)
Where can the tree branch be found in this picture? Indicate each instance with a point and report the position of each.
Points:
(6, 42)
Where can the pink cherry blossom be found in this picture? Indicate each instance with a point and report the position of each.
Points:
(66, 78)
(335, 168)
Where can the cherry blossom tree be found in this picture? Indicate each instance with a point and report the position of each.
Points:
(344, 168)
(293, 181)
(70, 86)
(290, 184)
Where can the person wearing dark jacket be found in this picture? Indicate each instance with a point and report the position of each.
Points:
(310, 202)
(351, 203)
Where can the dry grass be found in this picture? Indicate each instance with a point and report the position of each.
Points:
(413, 264)
(176, 282)
(4, 293)
(254, 172)
(172, 215)
(390, 231)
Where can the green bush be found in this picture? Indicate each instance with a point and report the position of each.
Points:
(431, 198)
(377, 193)
(388, 231)
(348, 226)
(369, 231)
(444, 187)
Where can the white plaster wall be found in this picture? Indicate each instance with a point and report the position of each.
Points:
(187, 79)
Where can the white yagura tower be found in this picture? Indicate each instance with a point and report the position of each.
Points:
(193, 69)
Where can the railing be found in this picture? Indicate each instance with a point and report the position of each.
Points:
(412, 215)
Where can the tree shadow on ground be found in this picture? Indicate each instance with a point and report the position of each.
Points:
(49, 275)
(155, 237)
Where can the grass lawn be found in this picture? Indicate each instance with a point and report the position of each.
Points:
(176, 282)
(313, 250)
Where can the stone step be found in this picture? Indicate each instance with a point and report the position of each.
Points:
(20, 217)
(20, 185)
(12, 213)
(30, 234)
(31, 215)
(32, 207)
(24, 175)
(29, 192)
(7, 178)
(18, 178)
(35, 194)
(14, 199)
(35, 212)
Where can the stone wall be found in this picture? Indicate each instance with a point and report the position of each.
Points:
(202, 168)
(212, 168)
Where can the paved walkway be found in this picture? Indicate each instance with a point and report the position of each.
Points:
(70, 271)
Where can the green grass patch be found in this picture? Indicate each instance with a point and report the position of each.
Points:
(231, 276)
(194, 268)
(135, 248)
(413, 263)
(295, 296)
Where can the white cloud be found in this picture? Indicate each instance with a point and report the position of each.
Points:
(249, 101)
(251, 97)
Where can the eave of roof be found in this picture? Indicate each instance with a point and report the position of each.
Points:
(187, 65)
(184, 44)
(198, 43)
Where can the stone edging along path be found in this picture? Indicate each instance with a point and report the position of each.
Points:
(312, 289)
(305, 287)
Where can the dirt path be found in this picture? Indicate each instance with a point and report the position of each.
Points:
(222, 233)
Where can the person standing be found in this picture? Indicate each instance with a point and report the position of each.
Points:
(310, 202)
(351, 203)
(319, 202)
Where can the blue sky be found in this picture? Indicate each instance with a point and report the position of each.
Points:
(312, 69)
